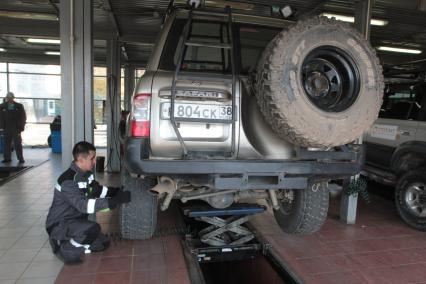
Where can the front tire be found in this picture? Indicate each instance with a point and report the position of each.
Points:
(138, 219)
(303, 211)
(410, 198)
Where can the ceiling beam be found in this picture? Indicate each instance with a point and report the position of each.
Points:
(55, 8)
(108, 8)
(116, 26)
(47, 29)
(21, 27)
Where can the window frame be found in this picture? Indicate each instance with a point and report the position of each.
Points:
(413, 92)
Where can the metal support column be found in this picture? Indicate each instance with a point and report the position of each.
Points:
(348, 205)
(76, 20)
(129, 85)
(113, 108)
(363, 10)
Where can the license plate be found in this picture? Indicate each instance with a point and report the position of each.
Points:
(213, 112)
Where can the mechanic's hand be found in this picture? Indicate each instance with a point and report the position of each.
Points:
(119, 198)
(112, 191)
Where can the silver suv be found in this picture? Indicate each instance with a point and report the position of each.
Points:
(396, 149)
(240, 107)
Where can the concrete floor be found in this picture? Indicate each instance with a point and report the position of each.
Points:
(25, 255)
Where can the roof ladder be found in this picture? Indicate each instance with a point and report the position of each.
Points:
(186, 35)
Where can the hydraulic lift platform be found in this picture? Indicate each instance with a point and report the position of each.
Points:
(226, 238)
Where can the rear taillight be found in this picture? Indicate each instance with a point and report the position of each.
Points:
(140, 119)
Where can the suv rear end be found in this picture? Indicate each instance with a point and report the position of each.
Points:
(219, 148)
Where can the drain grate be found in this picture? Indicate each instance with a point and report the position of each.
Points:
(169, 231)
(8, 173)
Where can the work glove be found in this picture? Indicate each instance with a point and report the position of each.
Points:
(112, 191)
(119, 198)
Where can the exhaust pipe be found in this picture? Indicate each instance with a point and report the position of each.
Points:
(274, 200)
(166, 186)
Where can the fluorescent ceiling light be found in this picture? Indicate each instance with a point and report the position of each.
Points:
(401, 50)
(52, 53)
(43, 40)
(349, 19)
(223, 4)
(29, 15)
(2, 49)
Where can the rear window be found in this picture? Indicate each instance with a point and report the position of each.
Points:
(198, 58)
(403, 102)
(252, 40)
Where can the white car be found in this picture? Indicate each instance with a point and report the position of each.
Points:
(396, 149)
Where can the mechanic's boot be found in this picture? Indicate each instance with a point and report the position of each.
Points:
(101, 243)
(55, 245)
(70, 254)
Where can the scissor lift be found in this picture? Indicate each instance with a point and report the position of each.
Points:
(226, 238)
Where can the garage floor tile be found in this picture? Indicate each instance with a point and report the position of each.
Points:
(379, 248)
(157, 260)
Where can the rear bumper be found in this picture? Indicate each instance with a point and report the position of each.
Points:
(318, 163)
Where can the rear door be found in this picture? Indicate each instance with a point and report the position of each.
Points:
(397, 124)
(204, 91)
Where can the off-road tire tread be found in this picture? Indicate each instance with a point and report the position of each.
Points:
(138, 219)
(309, 214)
(276, 107)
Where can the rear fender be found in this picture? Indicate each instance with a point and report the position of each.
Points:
(408, 156)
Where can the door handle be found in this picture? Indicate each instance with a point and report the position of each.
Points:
(405, 132)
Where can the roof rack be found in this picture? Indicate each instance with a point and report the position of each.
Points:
(218, 6)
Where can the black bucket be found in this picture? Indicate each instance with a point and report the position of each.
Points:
(100, 164)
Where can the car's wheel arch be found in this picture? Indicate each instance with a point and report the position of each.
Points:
(408, 156)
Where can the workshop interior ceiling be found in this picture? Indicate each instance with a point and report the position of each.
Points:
(139, 21)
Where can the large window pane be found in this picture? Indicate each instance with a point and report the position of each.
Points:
(100, 135)
(122, 89)
(34, 68)
(35, 135)
(41, 111)
(139, 72)
(99, 111)
(2, 67)
(99, 71)
(35, 86)
(3, 86)
(99, 88)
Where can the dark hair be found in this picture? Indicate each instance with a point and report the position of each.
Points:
(82, 148)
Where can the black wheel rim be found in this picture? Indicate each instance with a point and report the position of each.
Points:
(330, 79)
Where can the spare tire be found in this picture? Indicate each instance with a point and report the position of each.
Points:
(319, 84)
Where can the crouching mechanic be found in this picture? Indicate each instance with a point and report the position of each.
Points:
(76, 195)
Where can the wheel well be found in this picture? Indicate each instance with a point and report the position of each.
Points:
(408, 161)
